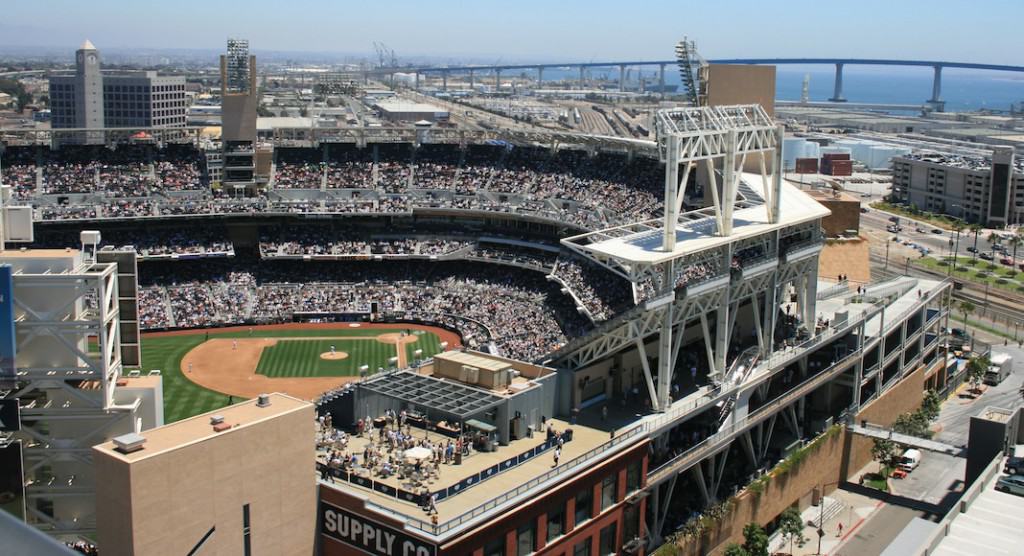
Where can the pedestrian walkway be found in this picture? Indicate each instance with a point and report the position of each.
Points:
(844, 512)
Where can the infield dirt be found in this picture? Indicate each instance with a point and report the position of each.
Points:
(228, 365)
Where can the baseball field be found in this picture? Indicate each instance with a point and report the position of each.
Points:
(204, 370)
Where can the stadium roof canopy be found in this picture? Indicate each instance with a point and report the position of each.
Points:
(453, 398)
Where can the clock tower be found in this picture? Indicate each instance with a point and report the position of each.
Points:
(89, 82)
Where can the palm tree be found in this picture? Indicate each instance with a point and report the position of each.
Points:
(958, 225)
(1015, 241)
(976, 228)
(966, 307)
(993, 238)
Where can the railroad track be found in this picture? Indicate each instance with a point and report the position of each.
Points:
(1003, 305)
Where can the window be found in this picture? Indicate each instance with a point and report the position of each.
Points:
(582, 548)
(525, 537)
(609, 488)
(584, 505)
(607, 544)
(247, 546)
(495, 547)
(556, 522)
(631, 523)
(633, 477)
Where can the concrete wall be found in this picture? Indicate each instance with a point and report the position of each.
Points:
(166, 503)
(819, 467)
(904, 397)
(742, 84)
(845, 213)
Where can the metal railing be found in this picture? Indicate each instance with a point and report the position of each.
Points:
(728, 432)
(619, 440)
(833, 291)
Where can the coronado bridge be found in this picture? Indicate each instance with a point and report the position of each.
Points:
(623, 66)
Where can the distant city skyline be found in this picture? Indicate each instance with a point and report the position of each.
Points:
(529, 30)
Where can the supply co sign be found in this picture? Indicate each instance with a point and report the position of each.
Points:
(369, 536)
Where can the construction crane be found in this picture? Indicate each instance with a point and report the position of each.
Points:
(693, 71)
(385, 56)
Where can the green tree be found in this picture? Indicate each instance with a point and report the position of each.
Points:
(914, 424)
(755, 540)
(976, 228)
(931, 405)
(883, 451)
(1015, 242)
(994, 237)
(735, 550)
(966, 307)
(976, 369)
(791, 526)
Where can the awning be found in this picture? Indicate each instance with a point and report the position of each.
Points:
(481, 426)
(419, 453)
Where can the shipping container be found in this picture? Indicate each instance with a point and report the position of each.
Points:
(807, 166)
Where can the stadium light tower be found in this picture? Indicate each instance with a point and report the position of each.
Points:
(693, 72)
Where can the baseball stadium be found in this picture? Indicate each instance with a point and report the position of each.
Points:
(648, 315)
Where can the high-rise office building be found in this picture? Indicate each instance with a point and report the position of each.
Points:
(92, 99)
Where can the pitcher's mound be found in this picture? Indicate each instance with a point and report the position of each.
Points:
(336, 356)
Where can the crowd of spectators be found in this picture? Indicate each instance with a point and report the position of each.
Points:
(601, 292)
(129, 171)
(153, 308)
(345, 241)
(148, 243)
(519, 312)
(588, 191)
(515, 255)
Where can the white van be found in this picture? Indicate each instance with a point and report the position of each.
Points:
(910, 460)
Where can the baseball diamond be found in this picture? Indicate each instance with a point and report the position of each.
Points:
(206, 369)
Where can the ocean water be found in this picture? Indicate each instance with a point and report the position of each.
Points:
(962, 90)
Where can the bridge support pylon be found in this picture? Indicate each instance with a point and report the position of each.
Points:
(837, 93)
(936, 101)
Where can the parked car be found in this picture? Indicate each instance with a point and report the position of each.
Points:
(972, 250)
(959, 333)
(1014, 484)
(1014, 465)
(936, 231)
(998, 248)
(864, 209)
(986, 256)
(1006, 261)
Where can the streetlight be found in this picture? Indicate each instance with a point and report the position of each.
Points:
(887, 253)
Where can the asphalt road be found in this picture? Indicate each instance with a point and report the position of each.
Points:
(877, 532)
(955, 417)
(938, 243)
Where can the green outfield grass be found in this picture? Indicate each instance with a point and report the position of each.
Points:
(301, 358)
(183, 398)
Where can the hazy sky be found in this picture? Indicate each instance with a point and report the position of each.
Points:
(976, 31)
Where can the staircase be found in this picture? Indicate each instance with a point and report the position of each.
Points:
(171, 323)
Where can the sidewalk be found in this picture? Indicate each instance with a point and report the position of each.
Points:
(846, 508)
